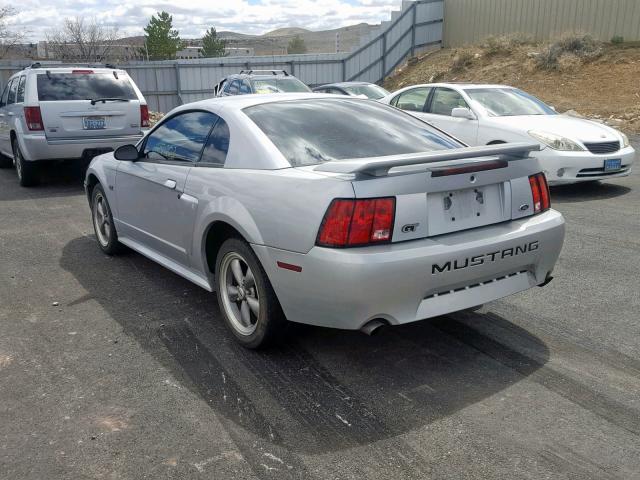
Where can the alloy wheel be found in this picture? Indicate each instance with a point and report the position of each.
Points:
(239, 293)
(101, 219)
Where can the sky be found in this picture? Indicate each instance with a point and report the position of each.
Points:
(193, 17)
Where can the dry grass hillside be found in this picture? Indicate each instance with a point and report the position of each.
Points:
(600, 81)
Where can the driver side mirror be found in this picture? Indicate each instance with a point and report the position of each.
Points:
(462, 112)
(127, 153)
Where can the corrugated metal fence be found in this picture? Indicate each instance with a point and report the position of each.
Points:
(470, 21)
(166, 84)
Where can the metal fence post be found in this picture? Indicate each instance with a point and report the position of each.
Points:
(413, 28)
(178, 85)
(384, 55)
(344, 69)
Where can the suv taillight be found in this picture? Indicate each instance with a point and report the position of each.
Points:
(539, 192)
(33, 118)
(351, 222)
(144, 116)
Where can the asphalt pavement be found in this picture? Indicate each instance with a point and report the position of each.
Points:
(115, 368)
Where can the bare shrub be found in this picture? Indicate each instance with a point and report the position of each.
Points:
(583, 47)
(504, 44)
(461, 60)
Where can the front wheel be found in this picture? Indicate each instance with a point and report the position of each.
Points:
(102, 220)
(245, 296)
(27, 171)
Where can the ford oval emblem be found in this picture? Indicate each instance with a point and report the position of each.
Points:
(523, 207)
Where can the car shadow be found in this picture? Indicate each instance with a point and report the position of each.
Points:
(57, 179)
(587, 191)
(322, 389)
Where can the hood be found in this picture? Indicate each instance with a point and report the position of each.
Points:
(569, 127)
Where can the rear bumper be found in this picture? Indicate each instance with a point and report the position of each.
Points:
(572, 167)
(37, 147)
(399, 283)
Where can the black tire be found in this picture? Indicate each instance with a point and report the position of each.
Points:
(27, 171)
(5, 162)
(102, 220)
(270, 321)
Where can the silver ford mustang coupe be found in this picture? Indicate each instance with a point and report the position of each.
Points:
(326, 210)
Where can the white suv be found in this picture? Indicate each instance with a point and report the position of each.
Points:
(67, 112)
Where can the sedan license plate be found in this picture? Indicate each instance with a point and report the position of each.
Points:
(94, 123)
(612, 164)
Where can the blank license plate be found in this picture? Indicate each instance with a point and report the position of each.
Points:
(612, 164)
(94, 123)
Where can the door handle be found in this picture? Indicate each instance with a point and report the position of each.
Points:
(170, 184)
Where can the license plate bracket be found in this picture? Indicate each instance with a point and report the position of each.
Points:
(94, 123)
(612, 164)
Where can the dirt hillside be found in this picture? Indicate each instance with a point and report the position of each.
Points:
(603, 83)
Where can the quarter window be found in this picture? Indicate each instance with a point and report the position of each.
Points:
(180, 138)
(445, 100)
(215, 152)
(413, 100)
(20, 96)
(13, 87)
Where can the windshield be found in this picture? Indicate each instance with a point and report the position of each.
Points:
(279, 85)
(374, 92)
(313, 131)
(83, 86)
(508, 102)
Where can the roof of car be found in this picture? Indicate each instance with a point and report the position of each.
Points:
(70, 68)
(238, 102)
(468, 85)
(344, 84)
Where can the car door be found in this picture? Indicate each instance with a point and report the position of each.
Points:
(413, 101)
(5, 141)
(152, 208)
(438, 112)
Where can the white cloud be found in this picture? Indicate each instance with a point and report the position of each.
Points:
(194, 17)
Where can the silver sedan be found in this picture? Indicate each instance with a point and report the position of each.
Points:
(326, 210)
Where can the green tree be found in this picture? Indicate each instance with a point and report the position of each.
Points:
(161, 40)
(296, 45)
(212, 46)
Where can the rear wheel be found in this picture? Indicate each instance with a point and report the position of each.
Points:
(245, 296)
(27, 171)
(102, 220)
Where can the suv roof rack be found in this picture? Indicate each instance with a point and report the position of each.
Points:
(272, 72)
(64, 65)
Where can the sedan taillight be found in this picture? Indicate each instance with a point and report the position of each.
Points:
(351, 222)
(144, 116)
(33, 118)
(539, 192)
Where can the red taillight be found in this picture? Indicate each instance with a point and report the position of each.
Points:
(33, 118)
(350, 222)
(82, 72)
(144, 116)
(539, 192)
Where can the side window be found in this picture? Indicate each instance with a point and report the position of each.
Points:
(13, 87)
(215, 151)
(181, 138)
(336, 91)
(245, 88)
(445, 100)
(234, 88)
(5, 93)
(413, 100)
(20, 96)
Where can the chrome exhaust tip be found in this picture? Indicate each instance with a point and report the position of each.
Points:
(373, 326)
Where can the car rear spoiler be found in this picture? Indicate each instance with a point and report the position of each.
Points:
(380, 166)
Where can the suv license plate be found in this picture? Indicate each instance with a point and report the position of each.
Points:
(612, 164)
(94, 123)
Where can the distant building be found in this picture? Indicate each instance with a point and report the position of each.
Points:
(115, 53)
(195, 51)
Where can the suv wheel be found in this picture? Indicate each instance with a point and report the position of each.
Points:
(245, 296)
(27, 171)
(102, 220)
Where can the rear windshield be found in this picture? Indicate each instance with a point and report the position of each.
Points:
(279, 85)
(308, 132)
(78, 86)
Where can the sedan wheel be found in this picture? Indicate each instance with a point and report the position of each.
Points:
(239, 293)
(246, 298)
(103, 222)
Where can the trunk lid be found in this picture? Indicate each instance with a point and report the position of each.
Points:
(447, 191)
